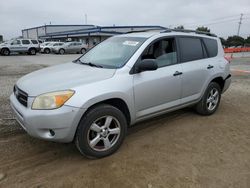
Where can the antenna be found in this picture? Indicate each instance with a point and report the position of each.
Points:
(240, 22)
(86, 19)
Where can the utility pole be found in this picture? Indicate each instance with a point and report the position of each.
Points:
(240, 22)
(86, 19)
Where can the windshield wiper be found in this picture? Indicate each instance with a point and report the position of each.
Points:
(89, 63)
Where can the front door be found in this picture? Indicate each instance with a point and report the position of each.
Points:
(158, 90)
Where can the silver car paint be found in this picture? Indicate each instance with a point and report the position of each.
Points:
(146, 94)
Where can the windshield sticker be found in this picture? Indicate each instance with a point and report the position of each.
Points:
(130, 43)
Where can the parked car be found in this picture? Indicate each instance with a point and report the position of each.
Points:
(121, 81)
(48, 48)
(70, 47)
(29, 46)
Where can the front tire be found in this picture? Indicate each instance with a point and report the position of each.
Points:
(101, 131)
(210, 100)
(61, 51)
(5, 52)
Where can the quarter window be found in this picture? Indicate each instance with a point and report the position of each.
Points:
(211, 46)
(163, 51)
(25, 41)
(190, 48)
(34, 41)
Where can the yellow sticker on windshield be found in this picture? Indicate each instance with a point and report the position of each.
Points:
(130, 43)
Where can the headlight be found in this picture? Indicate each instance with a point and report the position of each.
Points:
(52, 100)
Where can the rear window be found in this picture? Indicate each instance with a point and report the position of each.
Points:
(34, 41)
(211, 46)
(191, 49)
(25, 41)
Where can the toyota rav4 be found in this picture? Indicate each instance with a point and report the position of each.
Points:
(121, 81)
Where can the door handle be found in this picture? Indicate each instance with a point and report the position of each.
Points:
(177, 73)
(210, 66)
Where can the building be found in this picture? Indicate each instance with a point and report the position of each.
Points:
(90, 34)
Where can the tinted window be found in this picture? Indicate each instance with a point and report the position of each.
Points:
(163, 51)
(211, 46)
(190, 48)
(25, 41)
(34, 41)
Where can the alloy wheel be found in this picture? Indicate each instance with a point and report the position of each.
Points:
(104, 133)
(212, 99)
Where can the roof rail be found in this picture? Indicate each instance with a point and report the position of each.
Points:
(190, 31)
(146, 30)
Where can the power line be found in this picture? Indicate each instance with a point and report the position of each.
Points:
(215, 19)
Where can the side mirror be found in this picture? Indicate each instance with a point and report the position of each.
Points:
(146, 65)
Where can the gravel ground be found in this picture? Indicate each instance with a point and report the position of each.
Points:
(180, 149)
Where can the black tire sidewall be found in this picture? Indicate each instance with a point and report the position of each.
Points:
(6, 50)
(85, 123)
(30, 51)
(47, 51)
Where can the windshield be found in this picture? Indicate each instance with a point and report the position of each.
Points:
(113, 52)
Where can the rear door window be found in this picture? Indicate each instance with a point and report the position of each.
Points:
(211, 47)
(190, 49)
(25, 41)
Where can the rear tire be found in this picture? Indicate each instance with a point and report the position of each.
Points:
(101, 131)
(32, 51)
(61, 51)
(83, 51)
(210, 100)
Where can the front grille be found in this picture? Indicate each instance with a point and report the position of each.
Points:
(21, 96)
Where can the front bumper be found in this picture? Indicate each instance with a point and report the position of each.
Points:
(41, 123)
(42, 50)
(227, 83)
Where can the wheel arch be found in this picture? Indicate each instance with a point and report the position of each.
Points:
(219, 80)
(116, 102)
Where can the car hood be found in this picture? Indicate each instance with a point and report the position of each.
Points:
(62, 77)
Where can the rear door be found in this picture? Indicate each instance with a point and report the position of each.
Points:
(25, 45)
(197, 68)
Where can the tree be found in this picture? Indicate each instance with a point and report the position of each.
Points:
(203, 29)
(223, 42)
(179, 27)
(235, 41)
(247, 41)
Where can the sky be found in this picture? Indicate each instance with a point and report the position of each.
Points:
(222, 17)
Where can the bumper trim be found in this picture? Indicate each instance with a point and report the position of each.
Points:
(227, 83)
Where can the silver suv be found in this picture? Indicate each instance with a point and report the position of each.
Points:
(29, 46)
(119, 82)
